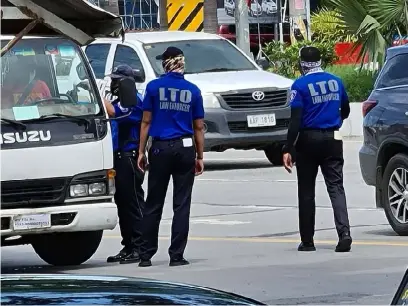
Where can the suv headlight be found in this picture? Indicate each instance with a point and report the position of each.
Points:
(211, 101)
(97, 186)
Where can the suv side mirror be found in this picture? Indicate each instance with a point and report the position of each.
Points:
(263, 63)
(139, 76)
(127, 92)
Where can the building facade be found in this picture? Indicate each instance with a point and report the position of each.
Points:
(136, 14)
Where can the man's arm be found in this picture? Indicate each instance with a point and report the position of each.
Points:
(198, 125)
(147, 107)
(296, 111)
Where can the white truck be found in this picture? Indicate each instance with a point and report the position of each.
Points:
(57, 177)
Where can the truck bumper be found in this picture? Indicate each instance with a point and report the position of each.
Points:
(67, 218)
(229, 129)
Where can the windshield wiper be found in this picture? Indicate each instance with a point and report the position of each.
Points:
(219, 70)
(58, 115)
(14, 123)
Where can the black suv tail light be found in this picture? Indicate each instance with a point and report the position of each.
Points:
(367, 106)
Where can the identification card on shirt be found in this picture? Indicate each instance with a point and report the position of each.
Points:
(337, 135)
(187, 142)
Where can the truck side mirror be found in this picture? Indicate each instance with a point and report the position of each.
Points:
(127, 92)
(80, 69)
(139, 76)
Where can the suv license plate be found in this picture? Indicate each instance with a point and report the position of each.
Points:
(261, 120)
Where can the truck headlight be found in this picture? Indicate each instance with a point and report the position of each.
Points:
(104, 185)
(211, 101)
(80, 190)
(97, 189)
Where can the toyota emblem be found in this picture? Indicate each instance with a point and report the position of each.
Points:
(258, 95)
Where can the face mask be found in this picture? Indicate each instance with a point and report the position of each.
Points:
(114, 87)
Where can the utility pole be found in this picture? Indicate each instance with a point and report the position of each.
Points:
(242, 26)
(308, 26)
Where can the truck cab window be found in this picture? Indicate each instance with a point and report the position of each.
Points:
(42, 76)
(125, 55)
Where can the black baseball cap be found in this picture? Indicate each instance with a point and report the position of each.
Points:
(310, 54)
(121, 71)
(170, 53)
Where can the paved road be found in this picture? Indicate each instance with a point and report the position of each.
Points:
(244, 237)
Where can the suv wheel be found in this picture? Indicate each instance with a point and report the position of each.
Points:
(395, 195)
(274, 155)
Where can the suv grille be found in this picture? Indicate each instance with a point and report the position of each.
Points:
(32, 193)
(242, 126)
(273, 98)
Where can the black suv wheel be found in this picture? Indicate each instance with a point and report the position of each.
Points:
(395, 193)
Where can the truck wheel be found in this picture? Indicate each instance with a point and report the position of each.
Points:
(395, 195)
(274, 155)
(67, 249)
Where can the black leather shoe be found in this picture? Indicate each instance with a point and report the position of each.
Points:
(306, 247)
(344, 244)
(132, 257)
(178, 262)
(116, 258)
(145, 263)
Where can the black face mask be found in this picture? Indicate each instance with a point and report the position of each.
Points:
(114, 87)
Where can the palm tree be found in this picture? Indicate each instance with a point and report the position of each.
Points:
(210, 16)
(373, 22)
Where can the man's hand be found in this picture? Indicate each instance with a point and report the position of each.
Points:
(141, 162)
(199, 167)
(287, 162)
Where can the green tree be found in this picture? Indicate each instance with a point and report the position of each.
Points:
(373, 23)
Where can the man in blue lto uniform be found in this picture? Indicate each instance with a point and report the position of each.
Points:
(129, 196)
(319, 104)
(173, 115)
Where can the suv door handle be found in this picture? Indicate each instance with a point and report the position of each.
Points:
(406, 113)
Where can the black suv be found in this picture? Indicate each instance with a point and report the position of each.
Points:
(384, 154)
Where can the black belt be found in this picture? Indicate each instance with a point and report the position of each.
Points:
(171, 139)
(132, 153)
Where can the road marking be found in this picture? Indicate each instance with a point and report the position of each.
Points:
(212, 222)
(248, 180)
(233, 159)
(282, 240)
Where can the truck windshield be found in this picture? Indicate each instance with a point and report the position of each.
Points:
(210, 55)
(41, 77)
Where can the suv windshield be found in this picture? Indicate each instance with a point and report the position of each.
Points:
(201, 56)
(41, 77)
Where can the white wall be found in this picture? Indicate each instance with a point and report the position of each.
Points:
(353, 126)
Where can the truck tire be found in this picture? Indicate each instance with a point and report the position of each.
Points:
(274, 155)
(67, 249)
(397, 164)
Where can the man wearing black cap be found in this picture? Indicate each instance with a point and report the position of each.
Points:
(319, 104)
(129, 196)
(173, 116)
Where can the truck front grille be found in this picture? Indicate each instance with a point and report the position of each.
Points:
(242, 127)
(33, 193)
(244, 100)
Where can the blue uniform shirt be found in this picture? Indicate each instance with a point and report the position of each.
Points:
(119, 125)
(175, 103)
(320, 95)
